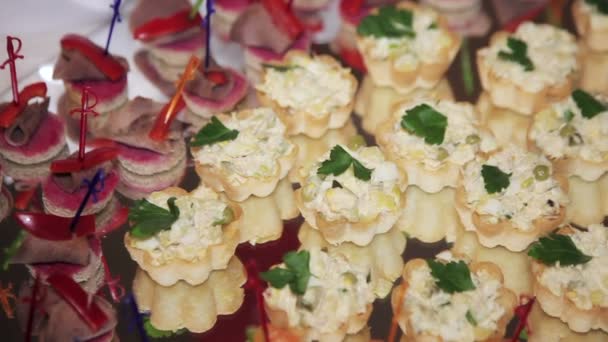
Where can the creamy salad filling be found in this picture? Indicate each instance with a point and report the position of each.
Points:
(309, 84)
(255, 151)
(336, 292)
(427, 46)
(585, 284)
(436, 312)
(552, 51)
(462, 140)
(598, 20)
(348, 197)
(532, 192)
(562, 131)
(199, 225)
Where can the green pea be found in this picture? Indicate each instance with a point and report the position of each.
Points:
(357, 141)
(227, 217)
(472, 139)
(442, 153)
(567, 130)
(541, 172)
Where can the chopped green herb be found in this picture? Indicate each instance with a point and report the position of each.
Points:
(557, 248)
(451, 277)
(214, 132)
(149, 219)
(568, 115)
(12, 249)
(426, 122)
(432, 26)
(518, 53)
(250, 333)
(151, 331)
(296, 275)
(389, 22)
(523, 335)
(494, 179)
(471, 319)
(279, 68)
(588, 105)
(339, 161)
(600, 5)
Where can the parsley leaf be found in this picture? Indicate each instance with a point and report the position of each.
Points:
(588, 105)
(426, 122)
(494, 179)
(12, 249)
(600, 5)
(557, 248)
(470, 318)
(568, 115)
(518, 53)
(296, 275)
(339, 161)
(451, 277)
(214, 132)
(151, 331)
(523, 335)
(388, 22)
(148, 219)
(279, 68)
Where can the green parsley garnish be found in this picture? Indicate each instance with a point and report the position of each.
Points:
(151, 331)
(523, 335)
(557, 248)
(451, 277)
(296, 274)
(568, 115)
(12, 249)
(389, 22)
(149, 219)
(518, 53)
(470, 318)
(426, 122)
(600, 5)
(213, 132)
(494, 179)
(432, 26)
(279, 68)
(339, 161)
(588, 105)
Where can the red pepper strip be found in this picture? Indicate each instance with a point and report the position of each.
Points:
(353, 58)
(351, 7)
(54, 228)
(106, 63)
(255, 283)
(10, 112)
(159, 27)
(23, 198)
(91, 159)
(218, 78)
(80, 301)
(522, 312)
(530, 15)
(392, 337)
(283, 17)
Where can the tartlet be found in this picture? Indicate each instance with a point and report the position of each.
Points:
(374, 104)
(428, 312)
(525, 70)
(193, 307)
(310, 94)
(575, 134)
(575, 292)
(507, 126)
(414, 52)
(336, 301)
(511, 197)
(430, 140)
(591, 21)
(352, 203)
(594, 73)
(203, 237)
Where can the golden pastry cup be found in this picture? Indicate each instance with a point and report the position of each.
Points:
(426, 75)
(193, 307)
(193, 272)
(507, 126)
(596, 39)
(579, 320)
(300, 121)
(219, 180)
(506, 298)
(506, 94)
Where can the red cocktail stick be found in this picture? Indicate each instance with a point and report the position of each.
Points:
(10, 112)
(255, 283)
(13, 55)
(530, 15)
(30, 315)
(84, 110)
(522, 312)
(392, 337)
(163, 121)
(117, 291)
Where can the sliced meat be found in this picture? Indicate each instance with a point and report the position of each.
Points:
(26, 124)
(71, 182)
(254, 27)
(34, 250)
(202, 86)
(74, 66)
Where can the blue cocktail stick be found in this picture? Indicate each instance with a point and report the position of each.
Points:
(207, 22)
(137, 316)
(99, 175)
(115, 17)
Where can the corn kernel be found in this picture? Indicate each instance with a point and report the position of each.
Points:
(571, 294)
(597, 297)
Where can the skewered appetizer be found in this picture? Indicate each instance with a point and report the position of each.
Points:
(352, 195)
(176, 235)
(310, 95)
(413, 51)
(591, 20)
(569, 268)
(247, 156)
(450, 300)
(321, 295)
(511, 197)
(525, 70)
(226, 13)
